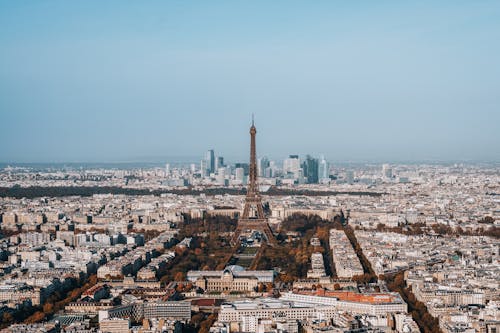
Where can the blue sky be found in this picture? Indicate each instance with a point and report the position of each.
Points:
(114, 81)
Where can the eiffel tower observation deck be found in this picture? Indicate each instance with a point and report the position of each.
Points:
(253, 217)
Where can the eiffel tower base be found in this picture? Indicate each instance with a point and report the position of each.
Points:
(260, 225)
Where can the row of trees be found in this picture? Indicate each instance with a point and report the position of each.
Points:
(369, 275)
(71, 291)
(396, 283)
(59, 299)
(283, 192)
(212, 225)
(441, 229)
(148, 234)
(417, 309)
(31, 192)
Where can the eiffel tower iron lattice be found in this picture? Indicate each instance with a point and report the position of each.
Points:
(253, 217)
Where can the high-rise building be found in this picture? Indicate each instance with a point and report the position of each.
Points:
(245, 167)
(167, 169)
(291, 167)
(262, 164)
(310, 169)
(323, 169)
(210, 158)
(203, 168)
(219, 162)
(271, 170)
(240, 175)
(221, 176)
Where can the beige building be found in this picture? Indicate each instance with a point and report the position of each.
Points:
(13, 294)
(227, 282)
(114, 325)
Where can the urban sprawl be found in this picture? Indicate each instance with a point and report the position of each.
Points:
(354, 248)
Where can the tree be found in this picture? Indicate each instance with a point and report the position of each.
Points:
(93, 279)
(36, 317)
(207, 323)
(197, 319)
(179, 276)
(487, 220)
(336, 286)
(180, 250)
(323, 233)
(286, 278)
(48, 308)
(7, 318)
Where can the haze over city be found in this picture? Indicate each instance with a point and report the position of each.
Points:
(369, 81)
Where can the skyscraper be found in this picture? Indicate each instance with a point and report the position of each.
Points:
(262, 164)
(210, 158)
(203, 168)
(291, 167)
(323, 169)
(240, 175)
(245, 167)
(221, 176)
(310, 169)
(219, 162)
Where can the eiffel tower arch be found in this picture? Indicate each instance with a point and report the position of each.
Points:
(253, 216)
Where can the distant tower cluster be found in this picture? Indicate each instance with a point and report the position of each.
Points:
(310, 170)
(213, 165)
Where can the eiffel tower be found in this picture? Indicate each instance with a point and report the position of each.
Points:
(253, 217)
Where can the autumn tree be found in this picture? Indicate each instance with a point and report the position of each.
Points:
(48, 308)
(179, 276)
(35, 318)
(7, 318)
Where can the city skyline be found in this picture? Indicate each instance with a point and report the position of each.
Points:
(94, 82)
(248, 167)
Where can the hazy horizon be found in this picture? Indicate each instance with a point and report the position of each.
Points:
(185, 161)
(93, 82)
